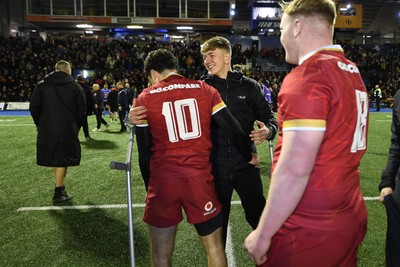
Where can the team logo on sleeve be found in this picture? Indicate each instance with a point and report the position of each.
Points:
(209, 208)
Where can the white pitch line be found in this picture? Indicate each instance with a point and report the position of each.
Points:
(371, 198)
(82, 207)
(230, 253)
(115, 206)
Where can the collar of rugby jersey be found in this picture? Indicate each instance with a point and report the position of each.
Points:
(327, 47)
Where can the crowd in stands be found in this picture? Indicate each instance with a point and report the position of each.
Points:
(24, 61)
(378, 65)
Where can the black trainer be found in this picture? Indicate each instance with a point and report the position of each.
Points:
(60, 199)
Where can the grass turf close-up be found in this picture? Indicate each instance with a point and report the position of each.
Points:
(92, 229)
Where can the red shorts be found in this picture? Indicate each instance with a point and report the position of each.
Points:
(167, 196)
(295, 246)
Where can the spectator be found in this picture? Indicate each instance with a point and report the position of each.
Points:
(378, 96)
(266, 91)
(99, 107)
(315, 213)
(105, 90)
(130, 93)
(90, 108)
(122, 105)
(20, 54)
(58, 108)
(112, 104)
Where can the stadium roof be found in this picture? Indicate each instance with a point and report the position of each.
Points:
(380, 18)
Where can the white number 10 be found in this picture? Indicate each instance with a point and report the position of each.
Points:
(177, 122)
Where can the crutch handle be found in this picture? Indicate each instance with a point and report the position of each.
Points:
(118, 165)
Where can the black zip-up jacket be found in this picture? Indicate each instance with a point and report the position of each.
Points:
(244, 98)
(391, 175)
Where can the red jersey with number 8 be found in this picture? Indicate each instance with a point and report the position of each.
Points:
(315, 96)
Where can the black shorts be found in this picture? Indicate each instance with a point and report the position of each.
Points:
(208, 227)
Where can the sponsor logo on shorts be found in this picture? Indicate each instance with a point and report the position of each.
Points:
(209, 208)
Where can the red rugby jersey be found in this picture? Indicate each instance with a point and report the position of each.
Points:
(179, 112)
(326, 93)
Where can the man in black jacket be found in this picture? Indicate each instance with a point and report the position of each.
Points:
(58, 108)
(90, 108)
(122, 105)
(245, 99)
(390, 193)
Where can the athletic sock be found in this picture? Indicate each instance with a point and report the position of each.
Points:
(58, 191)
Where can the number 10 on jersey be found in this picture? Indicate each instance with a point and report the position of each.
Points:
(182, 119)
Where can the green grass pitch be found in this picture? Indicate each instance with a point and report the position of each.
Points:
(99, 236)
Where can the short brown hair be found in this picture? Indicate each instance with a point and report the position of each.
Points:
(216, 42)
(324, 8)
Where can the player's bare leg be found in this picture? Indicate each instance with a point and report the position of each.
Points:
(162, 245)
(59, 174)
(59, 194)
(215, 248)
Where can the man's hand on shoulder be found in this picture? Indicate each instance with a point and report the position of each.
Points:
(137, 115)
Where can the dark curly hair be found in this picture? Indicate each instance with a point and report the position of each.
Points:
(160, 60)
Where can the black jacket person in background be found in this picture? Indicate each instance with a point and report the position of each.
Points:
(58, 108)
(90, 108)
(390, 191)
(122, 105)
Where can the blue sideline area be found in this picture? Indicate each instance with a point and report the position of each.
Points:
(15, 113)
(382, 110)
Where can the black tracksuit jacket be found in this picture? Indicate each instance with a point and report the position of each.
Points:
(391, 174)
(244, 98)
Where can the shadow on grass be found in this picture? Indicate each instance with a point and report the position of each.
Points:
(95, 233)
(99, 144)
(380, 154)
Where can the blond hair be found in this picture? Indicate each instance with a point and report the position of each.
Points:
(63, 66)
(324, 8)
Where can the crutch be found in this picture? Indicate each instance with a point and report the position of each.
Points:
(271, 150)
(271, 153)
(127, 168)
